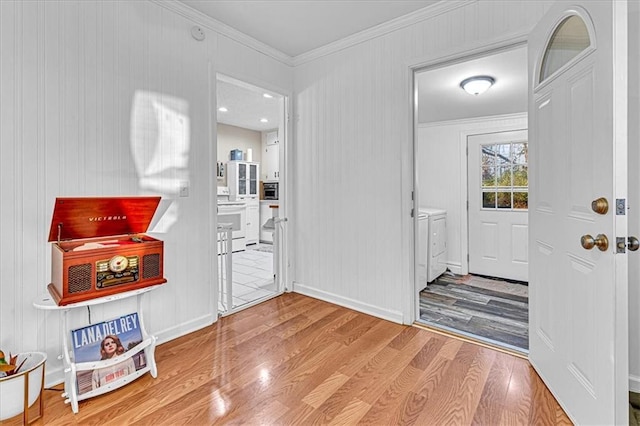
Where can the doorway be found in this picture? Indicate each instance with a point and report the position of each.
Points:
(482, 304)
(250, 137)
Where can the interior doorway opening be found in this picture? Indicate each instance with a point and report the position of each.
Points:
(476, 304)
(250, 143)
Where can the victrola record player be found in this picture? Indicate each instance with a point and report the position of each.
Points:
(100, 247)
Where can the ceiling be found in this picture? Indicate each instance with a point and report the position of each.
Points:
(246, 105)
(507, 96)
(295, 27)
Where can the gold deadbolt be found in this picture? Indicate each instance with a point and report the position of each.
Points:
(601, 241)
(600, 206)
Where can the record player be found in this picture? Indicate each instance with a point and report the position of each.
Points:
(99, 247)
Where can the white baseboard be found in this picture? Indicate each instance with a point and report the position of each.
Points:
(55, 376)
(634, 383)
(394, 316)
(455, 267)
(185, 328)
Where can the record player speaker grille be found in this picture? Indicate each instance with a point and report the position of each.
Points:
(79, 278)
(151, 266)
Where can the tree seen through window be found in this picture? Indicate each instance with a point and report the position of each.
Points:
(505, 180)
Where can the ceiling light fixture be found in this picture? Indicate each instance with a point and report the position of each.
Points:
(222, 109)
(477, 85)
(264, 120)
(268, 96)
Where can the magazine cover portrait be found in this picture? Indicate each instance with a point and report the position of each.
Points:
(103, 341)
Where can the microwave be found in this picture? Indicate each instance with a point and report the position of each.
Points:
(271, 190)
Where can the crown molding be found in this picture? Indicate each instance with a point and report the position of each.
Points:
(382, 29)
(419, 15)
(224, 29)
(473, 120)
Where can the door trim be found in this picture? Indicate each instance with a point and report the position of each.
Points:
(285, 127)
(410, 299)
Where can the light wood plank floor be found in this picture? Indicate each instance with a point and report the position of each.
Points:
(298, 360)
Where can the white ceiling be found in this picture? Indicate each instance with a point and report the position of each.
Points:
(298, 26)
(507, 96)
(295, 27)
(247, 105)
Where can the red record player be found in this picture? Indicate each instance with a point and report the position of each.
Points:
(100, 247)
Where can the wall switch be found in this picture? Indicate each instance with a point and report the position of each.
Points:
(184, 188)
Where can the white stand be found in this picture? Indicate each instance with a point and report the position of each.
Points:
(148, 344)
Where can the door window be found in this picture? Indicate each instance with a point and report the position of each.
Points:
(505, 180)
(569, 39)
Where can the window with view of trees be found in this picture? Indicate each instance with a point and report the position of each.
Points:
(505, 181)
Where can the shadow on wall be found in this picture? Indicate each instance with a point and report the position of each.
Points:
(160, 142)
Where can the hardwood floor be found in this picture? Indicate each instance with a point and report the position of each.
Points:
(298, 360)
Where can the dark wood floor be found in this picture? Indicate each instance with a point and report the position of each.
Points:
(474, 305)
(297, 360)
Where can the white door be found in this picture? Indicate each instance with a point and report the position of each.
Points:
(498, 194)
(577, 132)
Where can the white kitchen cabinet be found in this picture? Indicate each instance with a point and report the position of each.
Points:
(271, 138)
(270, 157)
(253, 221)
(242, 178)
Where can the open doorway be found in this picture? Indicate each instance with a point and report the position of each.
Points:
(459, 141)
(250, 135)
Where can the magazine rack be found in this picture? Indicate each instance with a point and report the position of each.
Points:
(71, 368)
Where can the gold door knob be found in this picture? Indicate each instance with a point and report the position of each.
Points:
(601, 241)
(600, 206)
(633, 243)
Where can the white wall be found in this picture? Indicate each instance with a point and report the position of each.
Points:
(70, 76)
(441, 169)
(353, 153)
(232, 137)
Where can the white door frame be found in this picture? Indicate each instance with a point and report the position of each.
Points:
(285, 127)
(411, 301)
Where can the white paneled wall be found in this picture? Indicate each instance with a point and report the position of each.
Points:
(353, 154)
(441, 169)
(106, 98)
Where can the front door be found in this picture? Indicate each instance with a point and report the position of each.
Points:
(498, 192)
(577, 150)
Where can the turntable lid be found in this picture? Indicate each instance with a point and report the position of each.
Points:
(89, 217)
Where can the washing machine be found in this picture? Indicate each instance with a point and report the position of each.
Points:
(432, 245)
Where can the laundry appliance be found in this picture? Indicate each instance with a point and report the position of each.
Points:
(432, 245)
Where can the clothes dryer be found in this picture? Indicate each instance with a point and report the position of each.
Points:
(432, 246)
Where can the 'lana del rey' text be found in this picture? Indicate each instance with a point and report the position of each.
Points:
(89, 335)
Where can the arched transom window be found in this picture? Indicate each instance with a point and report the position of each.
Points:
(569, 39)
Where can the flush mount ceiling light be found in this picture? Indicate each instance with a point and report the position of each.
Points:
(477, 84)
(267, 95)
(264, 120)
(222, 109)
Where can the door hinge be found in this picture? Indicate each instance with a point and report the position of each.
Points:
(467, 257)
(411, 195)
(621, 206)
(411, 212)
